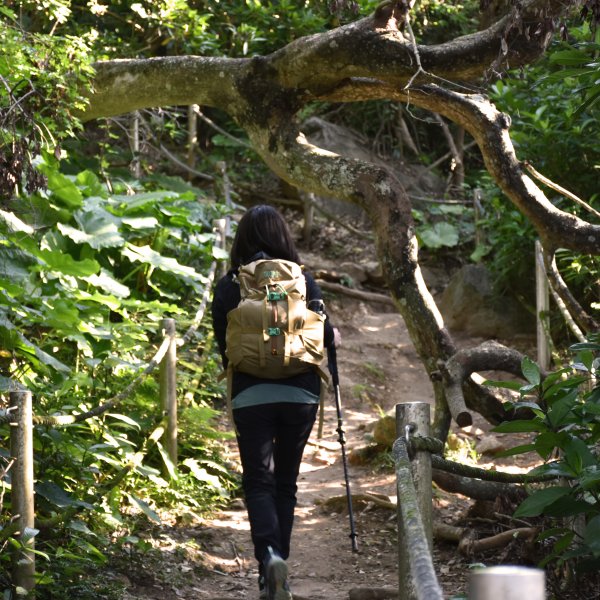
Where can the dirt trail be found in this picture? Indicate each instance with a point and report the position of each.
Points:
(378, 368)
(213, 559)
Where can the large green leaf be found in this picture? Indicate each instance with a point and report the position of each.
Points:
(58, 260)
(547, 442)
(219, 253)
(99, 229)
(60, 313)
(147, 255)
(531, 371)
(62, 188)
(577, 455)
(125, 205)
(535, 504)
(109, 284)
(15, 224)
(144, 507)
(590, 478)
(18, 341)
(585, 346)
(141, 222)
(555, 468)
(561, 411)
(520, 426)
(202, 474)
(10, 287)
(440, 234)
(66, 264)
(58, 496)
(592, 534)
(569, 57)
(171, 468)
(90, 184)
(568, 506)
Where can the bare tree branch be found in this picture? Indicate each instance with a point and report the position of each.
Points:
(559, 189)
(575, 309)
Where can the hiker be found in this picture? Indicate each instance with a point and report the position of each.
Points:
(273, 417)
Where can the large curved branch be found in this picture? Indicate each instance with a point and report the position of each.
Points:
(372, 47)
(375, 47)
(457, 372)
(122, 86)
(476, 488)
(490, 129)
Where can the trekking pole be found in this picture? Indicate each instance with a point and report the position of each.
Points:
(332, 366)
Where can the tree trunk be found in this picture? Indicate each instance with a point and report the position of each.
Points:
(374, 58)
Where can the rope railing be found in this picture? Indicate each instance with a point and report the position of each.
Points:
(415, 454)
(423, 584)
(20, 417)
(486, 475)
(435, 447)
(153, 363)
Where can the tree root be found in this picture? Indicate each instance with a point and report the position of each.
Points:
(372, 594)
(468, 546)
(340, 503)
(366, 296)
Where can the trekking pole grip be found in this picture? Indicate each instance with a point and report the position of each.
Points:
(332, 364)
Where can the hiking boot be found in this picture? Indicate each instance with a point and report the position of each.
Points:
(276, 572)
(262, 589)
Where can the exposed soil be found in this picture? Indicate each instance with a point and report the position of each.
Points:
(379, 368)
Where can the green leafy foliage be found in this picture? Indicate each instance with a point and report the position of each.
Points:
(552, 128)
(555, 123)
(43, 78)
(443, 226)
(566, 424)
(90, 260)
(87, 274)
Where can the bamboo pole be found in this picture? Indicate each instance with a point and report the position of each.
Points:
(221, 227)
(413, 418)
(507, 583)
(168, 389)
(21, 449)
(542, 307)
(192, 141)
(136, 167)
(477, 214)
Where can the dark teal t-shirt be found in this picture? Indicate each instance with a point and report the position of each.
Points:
(269, 393)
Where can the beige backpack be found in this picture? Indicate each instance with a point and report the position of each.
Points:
(272, 333)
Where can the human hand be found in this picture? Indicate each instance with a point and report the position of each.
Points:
(337, 337)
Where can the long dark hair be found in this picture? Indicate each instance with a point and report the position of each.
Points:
(262, 229)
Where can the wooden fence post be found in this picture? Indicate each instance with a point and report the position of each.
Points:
(507, 583)
(309, 216)
(21, 449)
(415, 417)
(542, 307)
(168, 389)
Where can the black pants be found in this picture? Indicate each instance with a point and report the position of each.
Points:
(271, 439)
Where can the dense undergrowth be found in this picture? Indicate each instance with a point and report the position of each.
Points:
(86, 276)
(99, 241)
